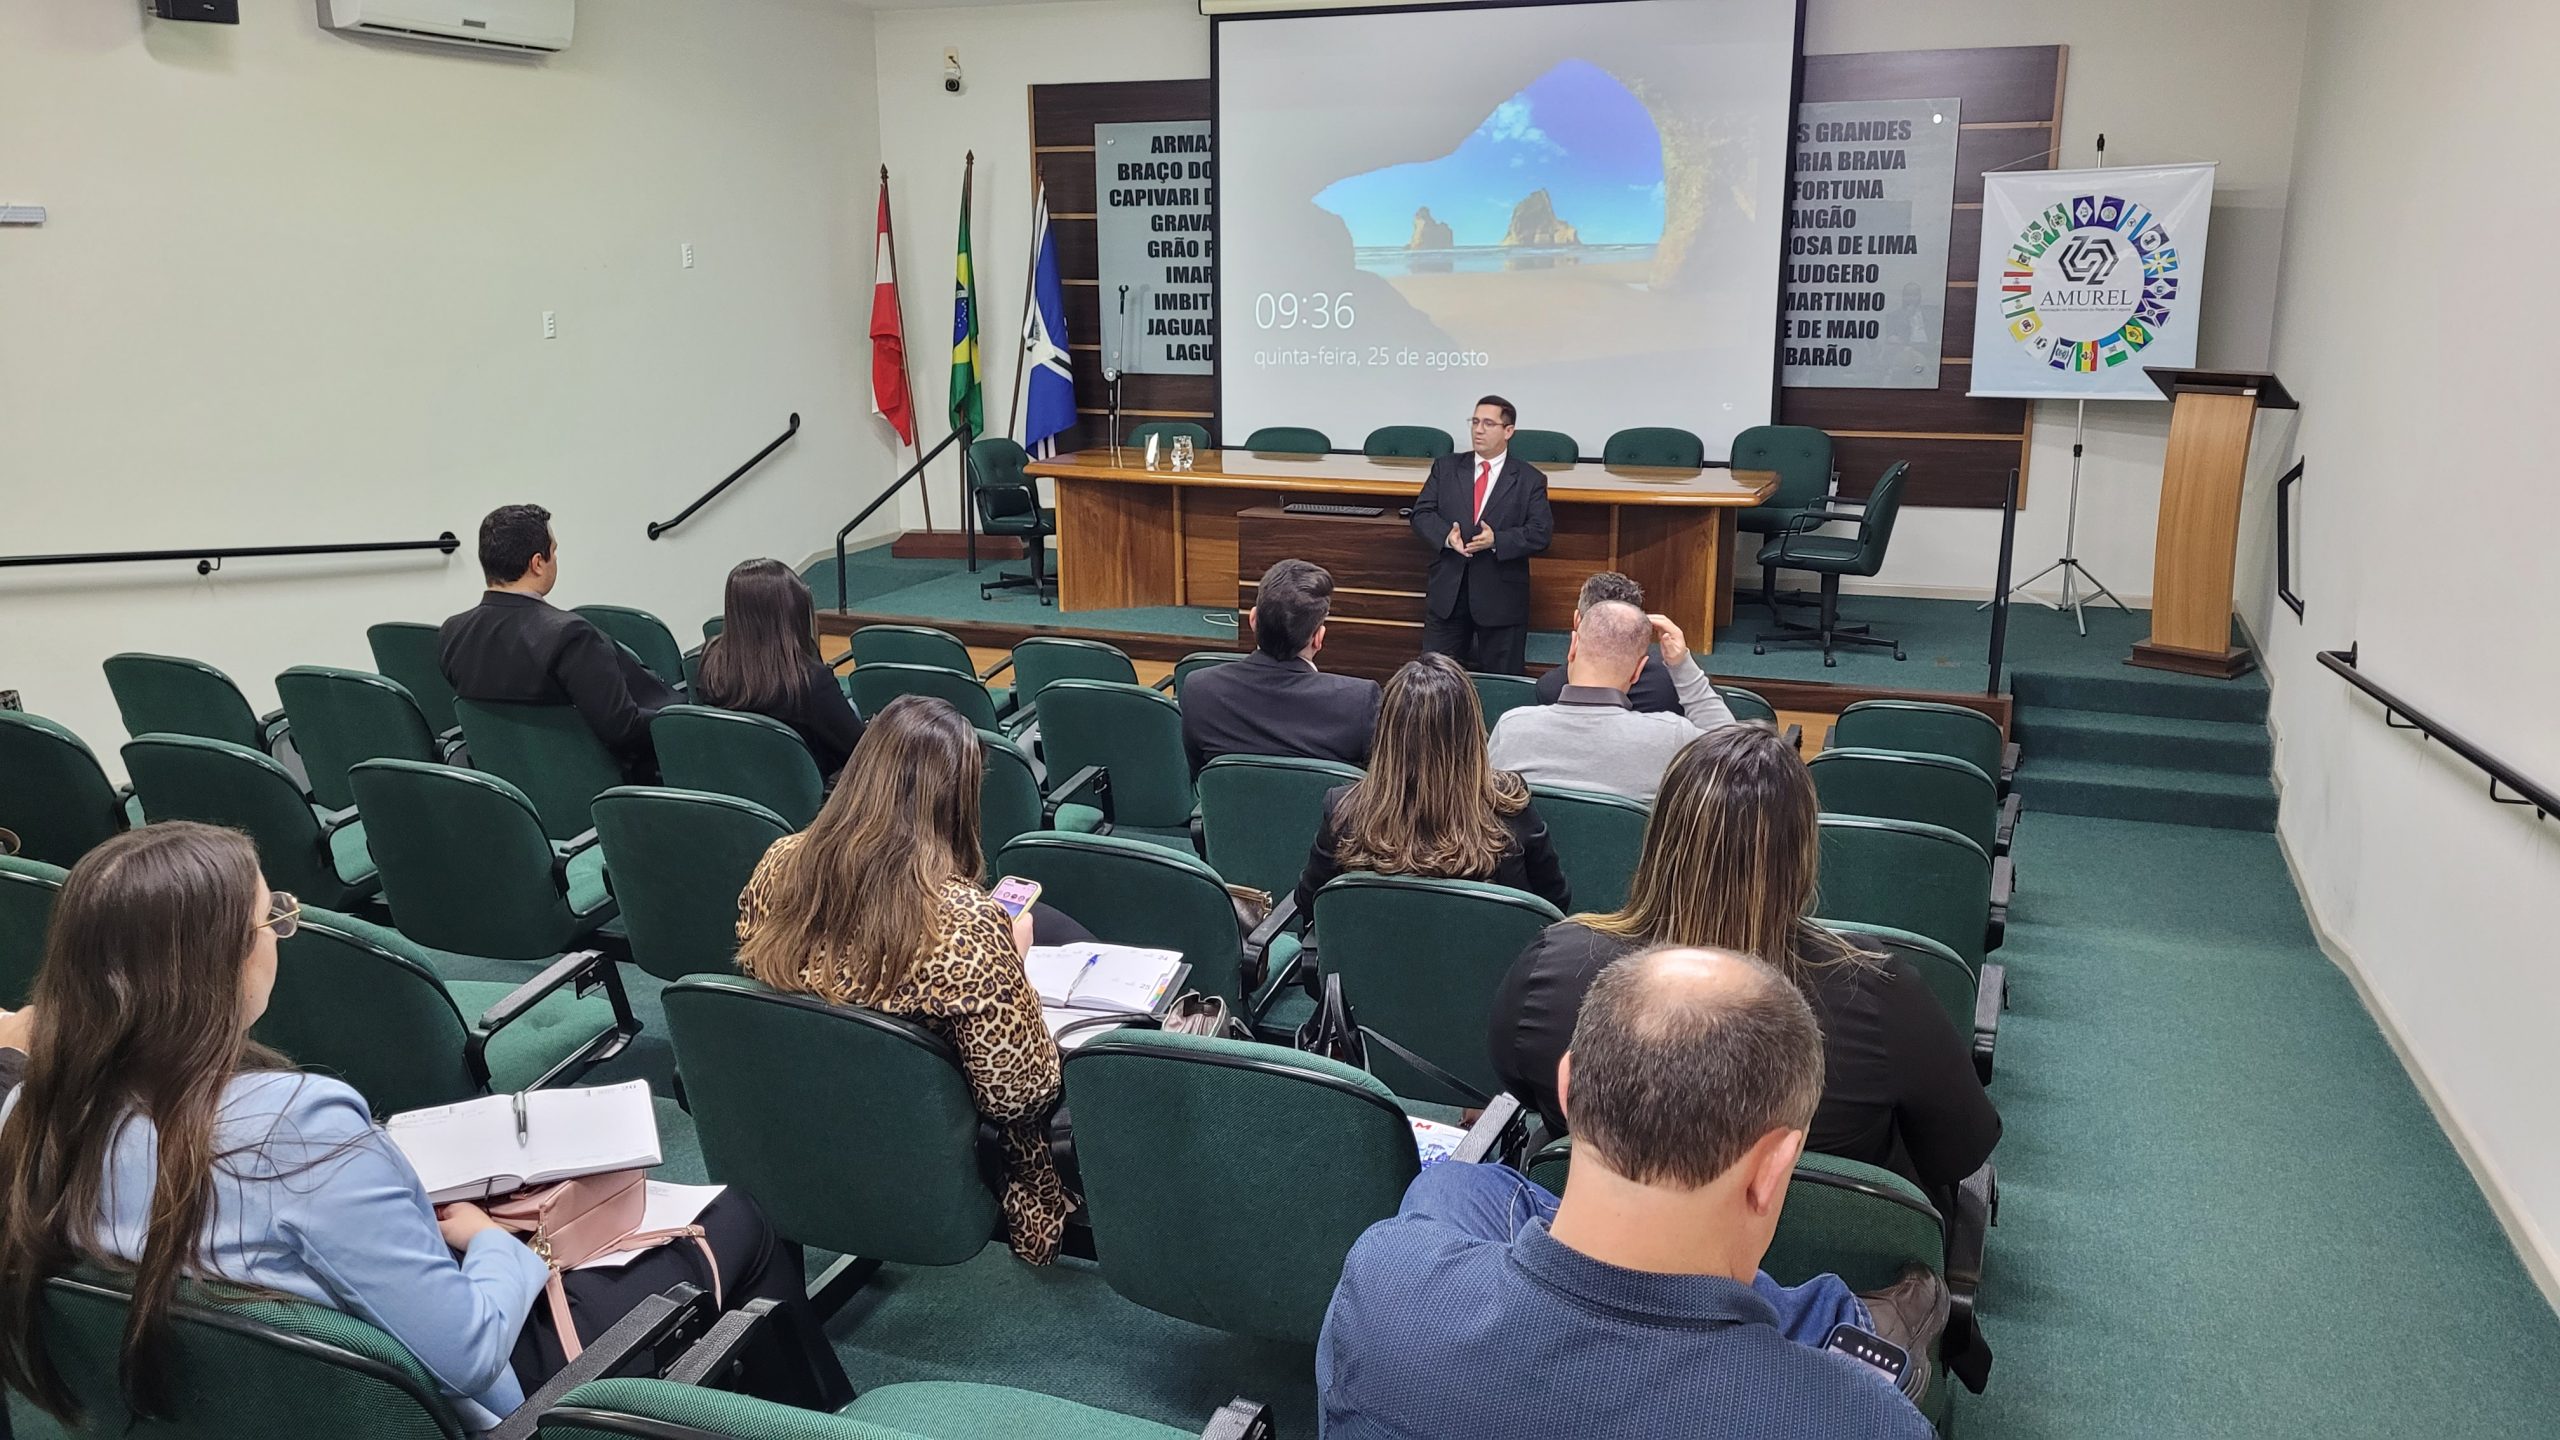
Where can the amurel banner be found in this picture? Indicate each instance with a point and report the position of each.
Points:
(2087, 276)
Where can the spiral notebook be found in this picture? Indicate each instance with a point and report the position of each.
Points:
(473, 1150)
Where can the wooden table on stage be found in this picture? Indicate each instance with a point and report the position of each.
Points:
(1130, 536)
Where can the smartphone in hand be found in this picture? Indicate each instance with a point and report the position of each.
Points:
(1015, 894)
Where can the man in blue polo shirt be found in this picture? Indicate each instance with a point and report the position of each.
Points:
(1635, 1306)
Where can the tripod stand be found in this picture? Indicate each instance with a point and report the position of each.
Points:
(2073, 572)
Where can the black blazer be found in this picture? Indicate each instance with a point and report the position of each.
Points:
(1261, 706)
(1528, 863)
(826, 720)
(1495, 582)
(1898, 1086)
(523, 650)
(1653, 689)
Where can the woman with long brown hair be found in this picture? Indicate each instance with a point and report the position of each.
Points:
(1431, 803)
(765, 661)
(1729, 862)
(877, 904)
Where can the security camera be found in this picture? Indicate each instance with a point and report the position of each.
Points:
(951, 72)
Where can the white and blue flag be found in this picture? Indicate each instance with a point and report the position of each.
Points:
(1049, 405)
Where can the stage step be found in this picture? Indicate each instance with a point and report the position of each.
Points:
(2145, 692)
(2146, 745)
(2144, 792)
(2166, 742)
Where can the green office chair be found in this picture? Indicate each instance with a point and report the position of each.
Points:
(910, 1410)
(875, 683)
(363, 1003)
(679, 861)
(1010, 802)
(1170, 431)
(187, 777)
(1129, 892)
(1195, 662)
(546, 751)
(1748, 705)
(1923, 878)
(644, 635)
(1972, 1000)
(1134, 736)
(1545, 447)
(27, 888)
(1496, 694)
(1901, 785)
(1801, 456)
(1259, 815)
(343, 716)
(466, 866)
(1832, 556)
(1420, 961)
(1205, 1160)
(1598, 838)
(409, 652)
(1654, 445)
(1042, 660)
(877, 1155)
(1008, 503)
(1289, 440)
(1408, 442)
(172, 695)
(731, 752)
(924, 645)
(54, 795)
(1931, 728)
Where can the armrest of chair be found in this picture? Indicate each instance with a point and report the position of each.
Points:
(2009, 757)
(584, 968)
(449, 745)
(1165, 685)
(660, 1326)
(1240, 1419)
(568, 850)
(995, 670)
(1499, 1134)
(2004, 880)
(1794, 736)
(773, 1353)
(273, 727)
(1977, 1206)
(2007, 835)
(1990, 997)
(843, 661)
(1094, 779)
(335, 821)
(1283, 919)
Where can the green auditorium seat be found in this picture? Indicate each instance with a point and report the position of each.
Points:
(1130, 892)
(1420, 961)
(1010, 802)
(1259, 815)
(875, 1158)
(54, 796)
(1134, 735)
(1043, 660)
(361, 1002)
(1227, 1179)
(1545, 447)
(343, 716)
(1656, 445)
(1408, 442)
(1289, 440)
(1496, 694)
(466, 866)
(1903, 785)
(1832, 556)
(1008, 504)
(1748, 705)
(1930, 728)
(1598, 838)
(408, 652)
(911, 1410)
(1169, 431)
(679, 860)
(1801, 456)
(1923, 878)
(731, 752)
(644, 635)
(27, 888)
(1972, 1000)
(546, 751)
(874, 684)
(924, 645)
(1197, 661)
(188, 777)
(172, 695)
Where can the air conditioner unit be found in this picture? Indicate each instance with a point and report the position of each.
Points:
(539, 27)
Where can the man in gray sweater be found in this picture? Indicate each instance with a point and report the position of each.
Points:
(1592, 738)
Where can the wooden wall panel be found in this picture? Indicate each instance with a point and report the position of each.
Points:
(1999, 86)
(1960, 473)
(1943, 410)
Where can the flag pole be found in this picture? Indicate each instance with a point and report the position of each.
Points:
(1030, 282)
(915, 432)
(968, 511)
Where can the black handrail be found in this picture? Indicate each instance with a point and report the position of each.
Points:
(2396, 711)
(661, 527)
(2000, 585)
(209, 560)
(2284, 541)
(882, 499)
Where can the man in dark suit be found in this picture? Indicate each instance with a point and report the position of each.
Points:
(1652, 690)
(514, 647)
(1483, 514)
(1275, 701)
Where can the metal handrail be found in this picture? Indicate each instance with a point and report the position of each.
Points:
(209, 559)
(2284, 541)
(2399, 714)
(2000, 585)
(894, 486)
(661, 527)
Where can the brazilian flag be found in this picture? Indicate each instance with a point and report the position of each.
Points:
(968, 400)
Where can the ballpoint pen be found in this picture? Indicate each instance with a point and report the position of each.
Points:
(520, 1130)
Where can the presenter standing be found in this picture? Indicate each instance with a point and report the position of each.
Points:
(1483, 514)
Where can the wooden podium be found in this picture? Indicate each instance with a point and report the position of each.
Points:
(2209, 421)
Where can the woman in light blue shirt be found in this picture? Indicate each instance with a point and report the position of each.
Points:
(152, 1135)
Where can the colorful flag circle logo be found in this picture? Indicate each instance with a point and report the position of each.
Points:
(2089, 283)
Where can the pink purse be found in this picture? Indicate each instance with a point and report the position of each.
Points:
(575, 1221)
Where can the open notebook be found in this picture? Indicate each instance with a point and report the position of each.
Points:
(1080, 982)
(470, 1151)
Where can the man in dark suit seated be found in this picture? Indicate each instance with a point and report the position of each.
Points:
(1653, 689)
(515, 647)
(1275, 701)
(1483, 514)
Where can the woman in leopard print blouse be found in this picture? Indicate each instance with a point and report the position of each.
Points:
(877, 904)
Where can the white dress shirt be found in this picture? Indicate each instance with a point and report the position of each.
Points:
(1493, 479)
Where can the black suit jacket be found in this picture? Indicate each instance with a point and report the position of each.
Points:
(522, 650)
(1653, 690)
(1261, 706)
(1495, 582)
(826, 720)
(1528, 863)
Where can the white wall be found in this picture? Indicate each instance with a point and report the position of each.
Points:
(2421, 136)
(291, 291)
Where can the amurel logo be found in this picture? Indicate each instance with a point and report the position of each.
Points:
(2063, 295)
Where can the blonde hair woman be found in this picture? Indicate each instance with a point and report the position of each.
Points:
(1431, 803)
(1729, 862)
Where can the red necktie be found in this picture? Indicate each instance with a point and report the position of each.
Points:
(1484, 482)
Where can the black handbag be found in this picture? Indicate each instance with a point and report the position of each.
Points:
(1330, 1031)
